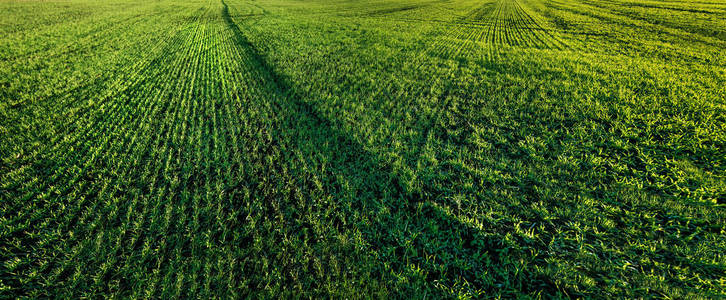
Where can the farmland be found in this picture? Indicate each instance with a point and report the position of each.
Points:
(363, 149)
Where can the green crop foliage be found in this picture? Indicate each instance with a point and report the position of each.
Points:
(363, 149)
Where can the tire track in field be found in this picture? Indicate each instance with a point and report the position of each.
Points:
(617, 9)
(719, 8)
(458, 34)
(495, 26)
(534, 23)
(606, 16)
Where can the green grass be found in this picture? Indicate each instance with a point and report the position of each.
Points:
(356, 149)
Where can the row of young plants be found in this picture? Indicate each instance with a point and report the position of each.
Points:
(395, 148)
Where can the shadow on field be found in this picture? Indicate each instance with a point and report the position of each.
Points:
(413, 246)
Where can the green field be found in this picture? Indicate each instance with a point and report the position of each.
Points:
(363, 149)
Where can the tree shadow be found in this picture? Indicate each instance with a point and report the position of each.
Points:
(413, 245)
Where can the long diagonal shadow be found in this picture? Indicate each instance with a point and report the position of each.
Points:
(402, 230)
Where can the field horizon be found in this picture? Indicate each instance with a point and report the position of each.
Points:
(363, 149)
